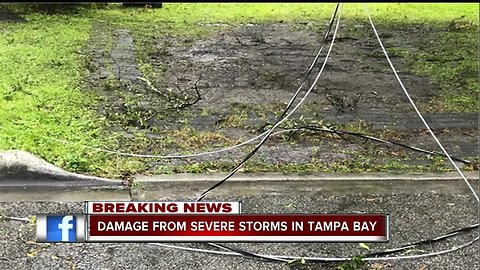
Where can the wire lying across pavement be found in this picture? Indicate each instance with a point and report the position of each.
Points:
(372, 256)
(286, 258)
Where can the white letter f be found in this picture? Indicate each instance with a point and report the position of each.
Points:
(65, 226)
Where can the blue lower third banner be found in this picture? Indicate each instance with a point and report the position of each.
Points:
(60, 228)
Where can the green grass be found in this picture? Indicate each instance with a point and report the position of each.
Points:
(41, 68)
(403, 13)
(182, 15)
(40, 95)
(450, 59)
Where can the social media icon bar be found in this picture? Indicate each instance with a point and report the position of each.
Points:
(60, 228)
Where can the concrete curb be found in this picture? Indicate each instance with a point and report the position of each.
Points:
(267, 177)
(189, 186)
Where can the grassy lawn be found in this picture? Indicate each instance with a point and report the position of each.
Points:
(40, 95)
(41, 67)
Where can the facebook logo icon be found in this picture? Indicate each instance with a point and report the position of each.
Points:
(60, 228)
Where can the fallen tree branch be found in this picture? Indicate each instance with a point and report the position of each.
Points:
(181, 102)
(153, 88)
(197, 98)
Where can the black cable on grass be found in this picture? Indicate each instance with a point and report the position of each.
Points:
(373, 254)
(371, 138)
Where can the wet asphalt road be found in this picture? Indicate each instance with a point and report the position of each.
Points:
(413, 217)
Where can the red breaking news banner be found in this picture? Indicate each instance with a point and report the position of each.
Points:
(143, 208)
(239, 228)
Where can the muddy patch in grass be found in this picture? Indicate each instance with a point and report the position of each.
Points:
(198, 95)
